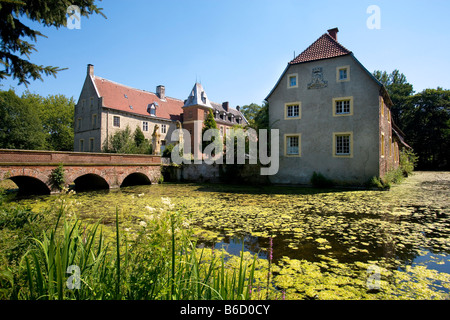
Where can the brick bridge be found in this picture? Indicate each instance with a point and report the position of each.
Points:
(30, 170)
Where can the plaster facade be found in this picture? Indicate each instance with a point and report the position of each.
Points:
(338, 127)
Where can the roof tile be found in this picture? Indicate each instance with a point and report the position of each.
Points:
(323, 48)
(120, 97)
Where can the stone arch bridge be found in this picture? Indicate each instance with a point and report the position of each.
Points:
(31, 170)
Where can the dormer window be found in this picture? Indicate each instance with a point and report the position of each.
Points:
(151, 108)
(203, 97)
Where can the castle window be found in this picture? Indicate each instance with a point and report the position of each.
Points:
(343, 144)
(292, 80)
(91, 145)
(163, 128)
(292, 145)
(292, 111)
(116, 121)
(81, 145)
(343, 106)
(144, 126)
(343, 74)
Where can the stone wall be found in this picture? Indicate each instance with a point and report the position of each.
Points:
(216, 173)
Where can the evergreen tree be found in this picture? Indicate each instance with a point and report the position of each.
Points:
(13, 32)
(209, 123)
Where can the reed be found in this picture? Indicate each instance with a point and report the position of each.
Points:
(152, 269)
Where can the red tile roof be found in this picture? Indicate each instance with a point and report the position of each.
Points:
(323, 48)
(120, 97)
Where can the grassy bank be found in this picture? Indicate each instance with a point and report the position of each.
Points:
(67, 260)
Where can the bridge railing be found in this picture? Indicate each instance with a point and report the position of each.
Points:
(15, 157)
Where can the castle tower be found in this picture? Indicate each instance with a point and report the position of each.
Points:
(195, 110)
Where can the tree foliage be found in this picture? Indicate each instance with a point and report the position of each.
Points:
(424, 117)
(256, 115)
(399, 90)
(15, 35)
(20, 125)
(209, 123)
(56, 115)
(427, 125)
(124, 141)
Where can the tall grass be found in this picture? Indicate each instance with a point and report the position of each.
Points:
(148, 268)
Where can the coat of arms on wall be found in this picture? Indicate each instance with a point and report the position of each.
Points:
(317, 81)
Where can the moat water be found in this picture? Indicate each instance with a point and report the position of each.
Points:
(317, 235)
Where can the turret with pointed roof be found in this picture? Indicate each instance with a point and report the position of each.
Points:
(198, 97)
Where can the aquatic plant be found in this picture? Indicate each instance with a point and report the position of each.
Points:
(151, 268)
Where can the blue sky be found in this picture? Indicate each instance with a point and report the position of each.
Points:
(238, 49)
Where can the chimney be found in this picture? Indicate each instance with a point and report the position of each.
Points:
(238, 108)
(90, 69)
(161, 92)
(225, 105)
(333, 33)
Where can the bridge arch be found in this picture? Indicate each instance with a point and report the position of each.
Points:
(29, 185)
(135, 179)
(90, 181)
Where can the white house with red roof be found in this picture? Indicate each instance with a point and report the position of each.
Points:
(105, 106)
(333, 118)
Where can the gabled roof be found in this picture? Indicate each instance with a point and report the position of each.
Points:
(197, 97)
(123, 98)
(323, 48)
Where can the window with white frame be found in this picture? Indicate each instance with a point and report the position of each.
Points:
(343, 74)
(163, 128)
(343, 144)
(144, 125)
(292, 110)
(292, 80)
(292, 145)
(342, 106)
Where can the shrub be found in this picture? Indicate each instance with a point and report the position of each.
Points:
(319, 181)
(375, 182)
(168, 151)
(408, 160)
(57, 178)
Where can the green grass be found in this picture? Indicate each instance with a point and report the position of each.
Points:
(70, 261)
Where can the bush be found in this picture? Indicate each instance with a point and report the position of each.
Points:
(57, 178)
(168, 151)
(375, 182)
(319, 181)
(408, 160)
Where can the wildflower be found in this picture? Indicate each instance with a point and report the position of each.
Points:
(150, 208)
(143, 224)
(166, 201)
(185, 224)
